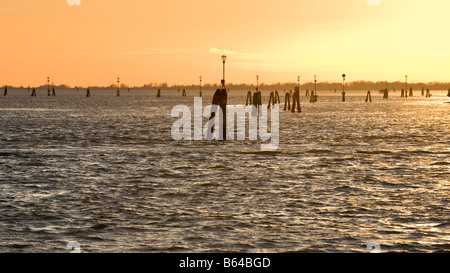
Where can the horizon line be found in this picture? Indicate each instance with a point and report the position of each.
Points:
(166, 85)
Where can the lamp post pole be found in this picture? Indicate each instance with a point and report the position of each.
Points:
(118, 86)
(343, 87)
(48, 86)
(298, 82)
(406, 85)
(200, 86)
(315, 86)
(257, 82)
(224, 58)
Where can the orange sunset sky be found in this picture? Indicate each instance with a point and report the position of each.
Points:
(176, 41)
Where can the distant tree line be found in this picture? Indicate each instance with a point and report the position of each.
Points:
(355, 85)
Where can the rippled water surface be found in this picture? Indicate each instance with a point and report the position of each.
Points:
(105, 172)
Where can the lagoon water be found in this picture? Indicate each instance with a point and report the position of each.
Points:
(104, 171)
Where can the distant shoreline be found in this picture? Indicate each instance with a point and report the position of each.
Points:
(355, 85)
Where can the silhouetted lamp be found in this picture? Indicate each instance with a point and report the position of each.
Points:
(48, 86)
(406, 81)
(343, 87)
(224, 58)
(257, 82)
(315, 84)
(200, 77)
(118, 86)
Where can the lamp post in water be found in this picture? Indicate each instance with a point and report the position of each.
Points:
(343, 87)
(298, 83)
(315, 89)
(200, 86)
(406, 86)
(118, 86)
(257, 82)
(224, 58)
(48, 86)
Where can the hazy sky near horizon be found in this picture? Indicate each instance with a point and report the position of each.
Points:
(143, 41)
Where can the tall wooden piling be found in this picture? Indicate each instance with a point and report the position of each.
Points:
(249, 98)
(33, 93)
(423, 91)
(307, 93)
(403, 93)
(257, 100)
(277, 97)
(88, 93)
(6, 91)
(411, 92)
(220, 99)
(184, 93)
(271, 99)
(448, 93)
(368, 97)
(287, 101)
(158, 94)
(385, 94)
(53, 92)
(428, 93)
(296, 100)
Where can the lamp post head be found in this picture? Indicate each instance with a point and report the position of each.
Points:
(406, 76)
(257, 77)
(343, 75)
(224, 58)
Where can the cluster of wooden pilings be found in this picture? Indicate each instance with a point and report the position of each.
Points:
(274, 98)
(295, 101)
(427, 93)
(255, 100)
(404, 94)
(49, 93)
(368, 97)
(313, 97)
